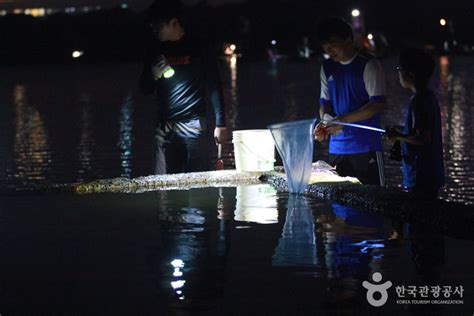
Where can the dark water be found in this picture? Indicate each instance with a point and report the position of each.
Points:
(239, 251)
(63, 124)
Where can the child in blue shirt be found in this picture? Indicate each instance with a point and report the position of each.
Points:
(420, 138)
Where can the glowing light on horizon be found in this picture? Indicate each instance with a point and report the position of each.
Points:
(370, 37)
(355, 13)
(442, 22)
(77, 54)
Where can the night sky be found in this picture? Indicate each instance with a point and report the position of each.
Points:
(404, 18)
(106, 3)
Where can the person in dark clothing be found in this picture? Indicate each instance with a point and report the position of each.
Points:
(420, 138)
(182, 71)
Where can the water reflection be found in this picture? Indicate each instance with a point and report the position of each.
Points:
(329, 249)
(86, 145)
(353, 240)
(460, 136)
(197, 241)
(428, 253)
(31, 147)
(126, 136)
(297, 245)
(231, 94)
(256, 203)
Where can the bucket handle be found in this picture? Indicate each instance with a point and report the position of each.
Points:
(258, 156)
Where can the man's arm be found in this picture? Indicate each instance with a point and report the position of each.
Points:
(324, 107)
(324, 99)
(363, 113)
(374, 80)
(214, 85)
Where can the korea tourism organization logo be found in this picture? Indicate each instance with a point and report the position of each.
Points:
(378, 294)
(377, 288)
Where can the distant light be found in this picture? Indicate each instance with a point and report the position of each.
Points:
(370, 36)
(355, 13)
(17, 11)
(233, 47)
(177, 263)
(124, 6)
(3, 12)
(274, 42)
(178, 284)
(326, 56)
(179, 292)
(77, 54)
(181, 298)
(35, 12)
(70, 10)
(442, 22)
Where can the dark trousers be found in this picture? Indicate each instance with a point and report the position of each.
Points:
(366, 167)
(181, 147)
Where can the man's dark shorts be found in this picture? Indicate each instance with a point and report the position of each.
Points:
(365, 166)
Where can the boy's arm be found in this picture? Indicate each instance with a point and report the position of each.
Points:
(414, 139)
(374, 79)
(420, 133)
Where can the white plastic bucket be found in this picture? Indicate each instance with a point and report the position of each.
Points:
(254, 150)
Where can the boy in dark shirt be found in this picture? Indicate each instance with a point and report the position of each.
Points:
(183, 94)
(421, 141)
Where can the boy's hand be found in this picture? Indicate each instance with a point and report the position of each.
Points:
(159, 67)
(320, 132)
(392, 133)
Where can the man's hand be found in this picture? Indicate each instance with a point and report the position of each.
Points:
(320, 132)
(220, 134)
(333, 129)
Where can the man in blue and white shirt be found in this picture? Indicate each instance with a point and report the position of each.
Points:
(352, 89)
